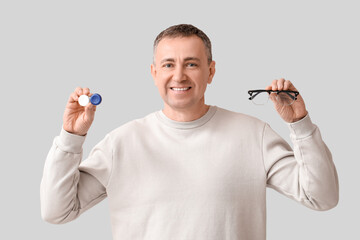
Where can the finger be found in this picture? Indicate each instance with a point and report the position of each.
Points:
(287, 85)
(73, 97)
(79, 91)
(280, 84)
(90, 111)
(291, 87)
(86, 91)
(90, 107)
(268, 87)
(274, 85)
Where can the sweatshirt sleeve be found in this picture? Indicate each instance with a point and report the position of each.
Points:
(68, 186)
(305, 173)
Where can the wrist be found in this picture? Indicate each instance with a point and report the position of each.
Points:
(302, 128)
(69, 142)
(302, 116)
(74, 132)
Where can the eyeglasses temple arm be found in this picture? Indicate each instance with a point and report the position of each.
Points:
(253, 96)
(292, 97)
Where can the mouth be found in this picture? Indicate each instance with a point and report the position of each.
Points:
(184, 89)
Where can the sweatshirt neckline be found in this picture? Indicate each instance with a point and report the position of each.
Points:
(187, 125)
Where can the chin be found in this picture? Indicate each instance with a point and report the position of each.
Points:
(181, 105)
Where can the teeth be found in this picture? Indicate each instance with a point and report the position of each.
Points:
(180, 89)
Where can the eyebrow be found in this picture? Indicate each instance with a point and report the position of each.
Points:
(186, 59)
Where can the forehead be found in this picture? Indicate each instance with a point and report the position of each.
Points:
(181, 46)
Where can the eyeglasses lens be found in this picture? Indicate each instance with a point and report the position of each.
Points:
(261, 98)
(285, 98)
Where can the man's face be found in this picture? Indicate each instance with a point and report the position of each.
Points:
(181, 72)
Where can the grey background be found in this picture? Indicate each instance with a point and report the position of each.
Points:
(47, 48)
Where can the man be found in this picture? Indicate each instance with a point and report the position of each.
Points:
(189, 171)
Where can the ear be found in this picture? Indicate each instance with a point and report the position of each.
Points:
(153, 72)
(211, 72)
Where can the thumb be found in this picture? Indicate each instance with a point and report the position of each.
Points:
(90, 110)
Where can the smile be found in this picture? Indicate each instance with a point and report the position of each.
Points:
(180, 89)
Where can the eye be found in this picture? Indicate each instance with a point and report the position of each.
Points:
(191, 64)
(167, 65)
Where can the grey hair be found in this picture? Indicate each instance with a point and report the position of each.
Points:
(184, 30)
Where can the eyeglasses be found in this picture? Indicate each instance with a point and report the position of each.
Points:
(284, 97)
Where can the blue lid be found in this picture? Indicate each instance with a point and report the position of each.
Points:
(95, 99)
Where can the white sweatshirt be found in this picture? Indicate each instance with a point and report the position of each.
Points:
(199, 180)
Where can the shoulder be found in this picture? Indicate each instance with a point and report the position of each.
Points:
(134, 126)
(232, 117)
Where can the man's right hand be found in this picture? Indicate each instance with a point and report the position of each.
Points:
(78, 119)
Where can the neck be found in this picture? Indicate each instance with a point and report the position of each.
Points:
(185, 114)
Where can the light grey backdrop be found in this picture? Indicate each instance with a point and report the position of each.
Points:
(47, 48)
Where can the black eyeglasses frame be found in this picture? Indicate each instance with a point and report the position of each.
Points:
(257, 92)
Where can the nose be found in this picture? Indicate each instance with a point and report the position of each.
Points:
(179, 74)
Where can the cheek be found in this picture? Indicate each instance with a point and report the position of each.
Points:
(162, 83)
(161, 80)
(202, 79)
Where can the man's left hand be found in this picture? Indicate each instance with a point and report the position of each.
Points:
(293, 112)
